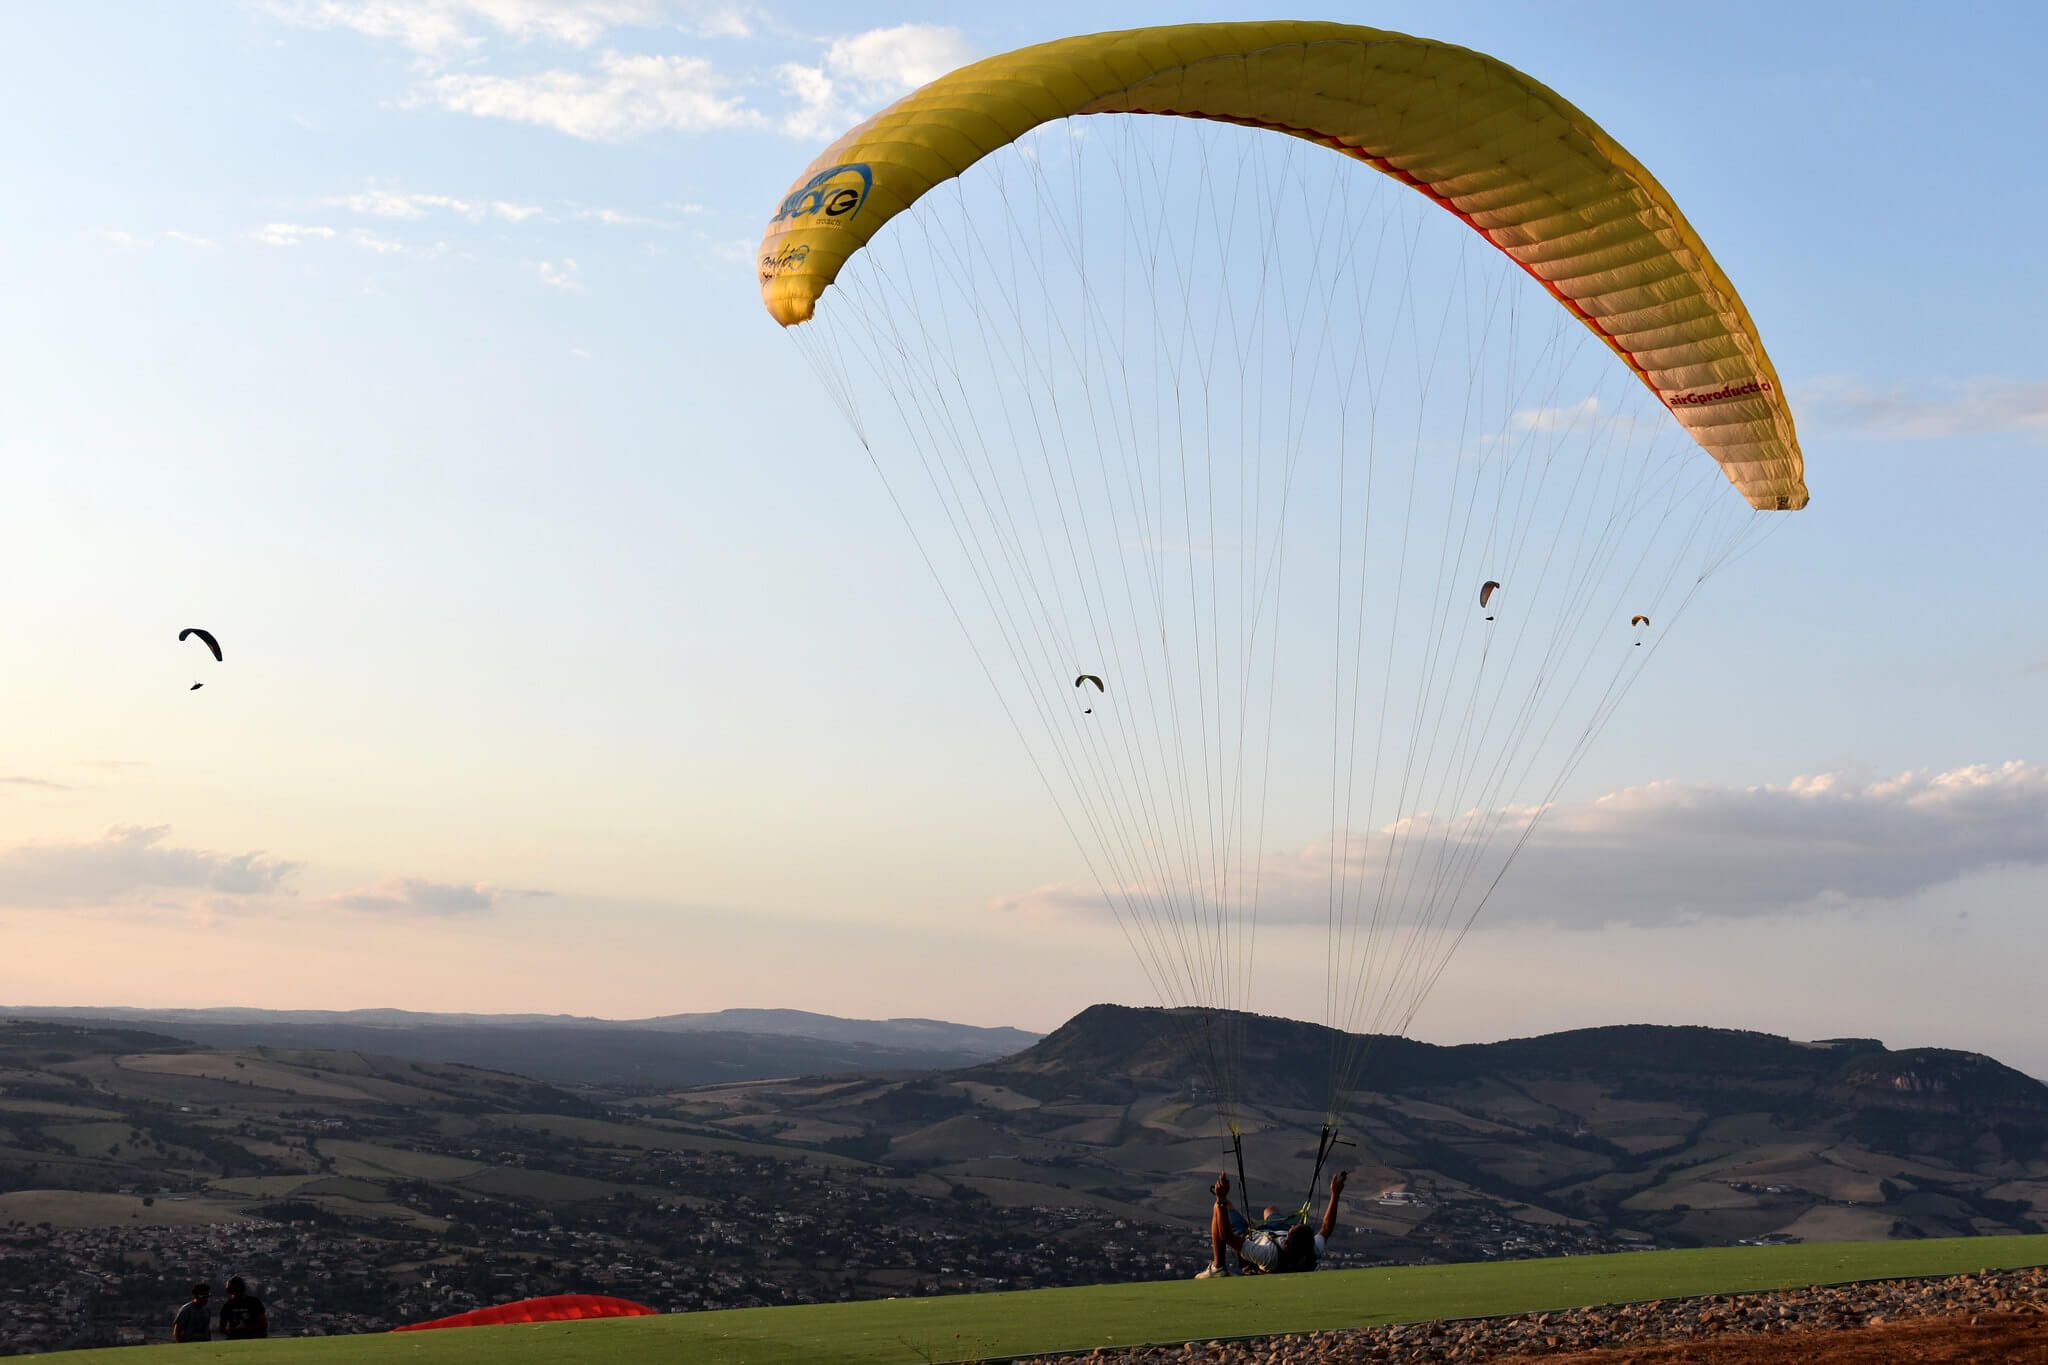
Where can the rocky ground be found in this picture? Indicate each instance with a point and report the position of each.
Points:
(1978, 1339)
(1997, 1316)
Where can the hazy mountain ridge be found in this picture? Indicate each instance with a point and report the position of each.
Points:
(1283, 1060)
(906, 1032)
(1634, 1132)
(671, 1050)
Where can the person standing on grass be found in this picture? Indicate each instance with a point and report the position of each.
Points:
(242, 1317)
(190, 1324)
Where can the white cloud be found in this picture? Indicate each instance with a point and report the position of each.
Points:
(617, 218)
(559, 275)
(378, 203)
(390, 204)
(1671, 852)
(1589, 414)
(411, 206)
(370, 241)
(41, 782)
(623, 97)
(622, 94)
(416, 895)
(891, 61)
(441, 29)
(133, 867)
(861, 73)
(1564, 418)
(429, 29)
(378, 244)
(132, 241)
(129, 861)
(731, 250)
(290, 234)
(724, 21)
(1978, 406)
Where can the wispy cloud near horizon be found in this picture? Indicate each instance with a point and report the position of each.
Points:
(417, 895)
(1981, 405)
(1669, 852)
(126, 862)
(132, 867)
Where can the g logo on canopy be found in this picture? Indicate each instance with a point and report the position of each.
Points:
(830, 198)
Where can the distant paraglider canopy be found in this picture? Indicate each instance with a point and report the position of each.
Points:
(206, 638)
(1486, 592)
(1087, 678)
(1639, 620)
(552, 1308)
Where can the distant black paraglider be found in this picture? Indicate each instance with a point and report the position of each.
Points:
(1090, 677)
(206, 638)
(1486, 592)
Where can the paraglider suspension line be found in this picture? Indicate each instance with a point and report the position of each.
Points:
(1244, 1197)
(1325, 1144)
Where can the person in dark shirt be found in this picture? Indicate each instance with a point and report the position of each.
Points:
(242, 1317)
(190, 1324)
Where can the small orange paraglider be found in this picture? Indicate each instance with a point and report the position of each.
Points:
(550, 1308)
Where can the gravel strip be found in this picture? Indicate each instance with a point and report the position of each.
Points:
(1536, 1335)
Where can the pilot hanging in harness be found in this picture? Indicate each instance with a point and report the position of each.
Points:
(1273, 1246)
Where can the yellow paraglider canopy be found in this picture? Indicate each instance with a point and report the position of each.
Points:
(1507, 155)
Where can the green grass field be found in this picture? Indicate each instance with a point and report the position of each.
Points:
(970, 1326)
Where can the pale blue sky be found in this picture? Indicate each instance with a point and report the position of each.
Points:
(414, 347)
